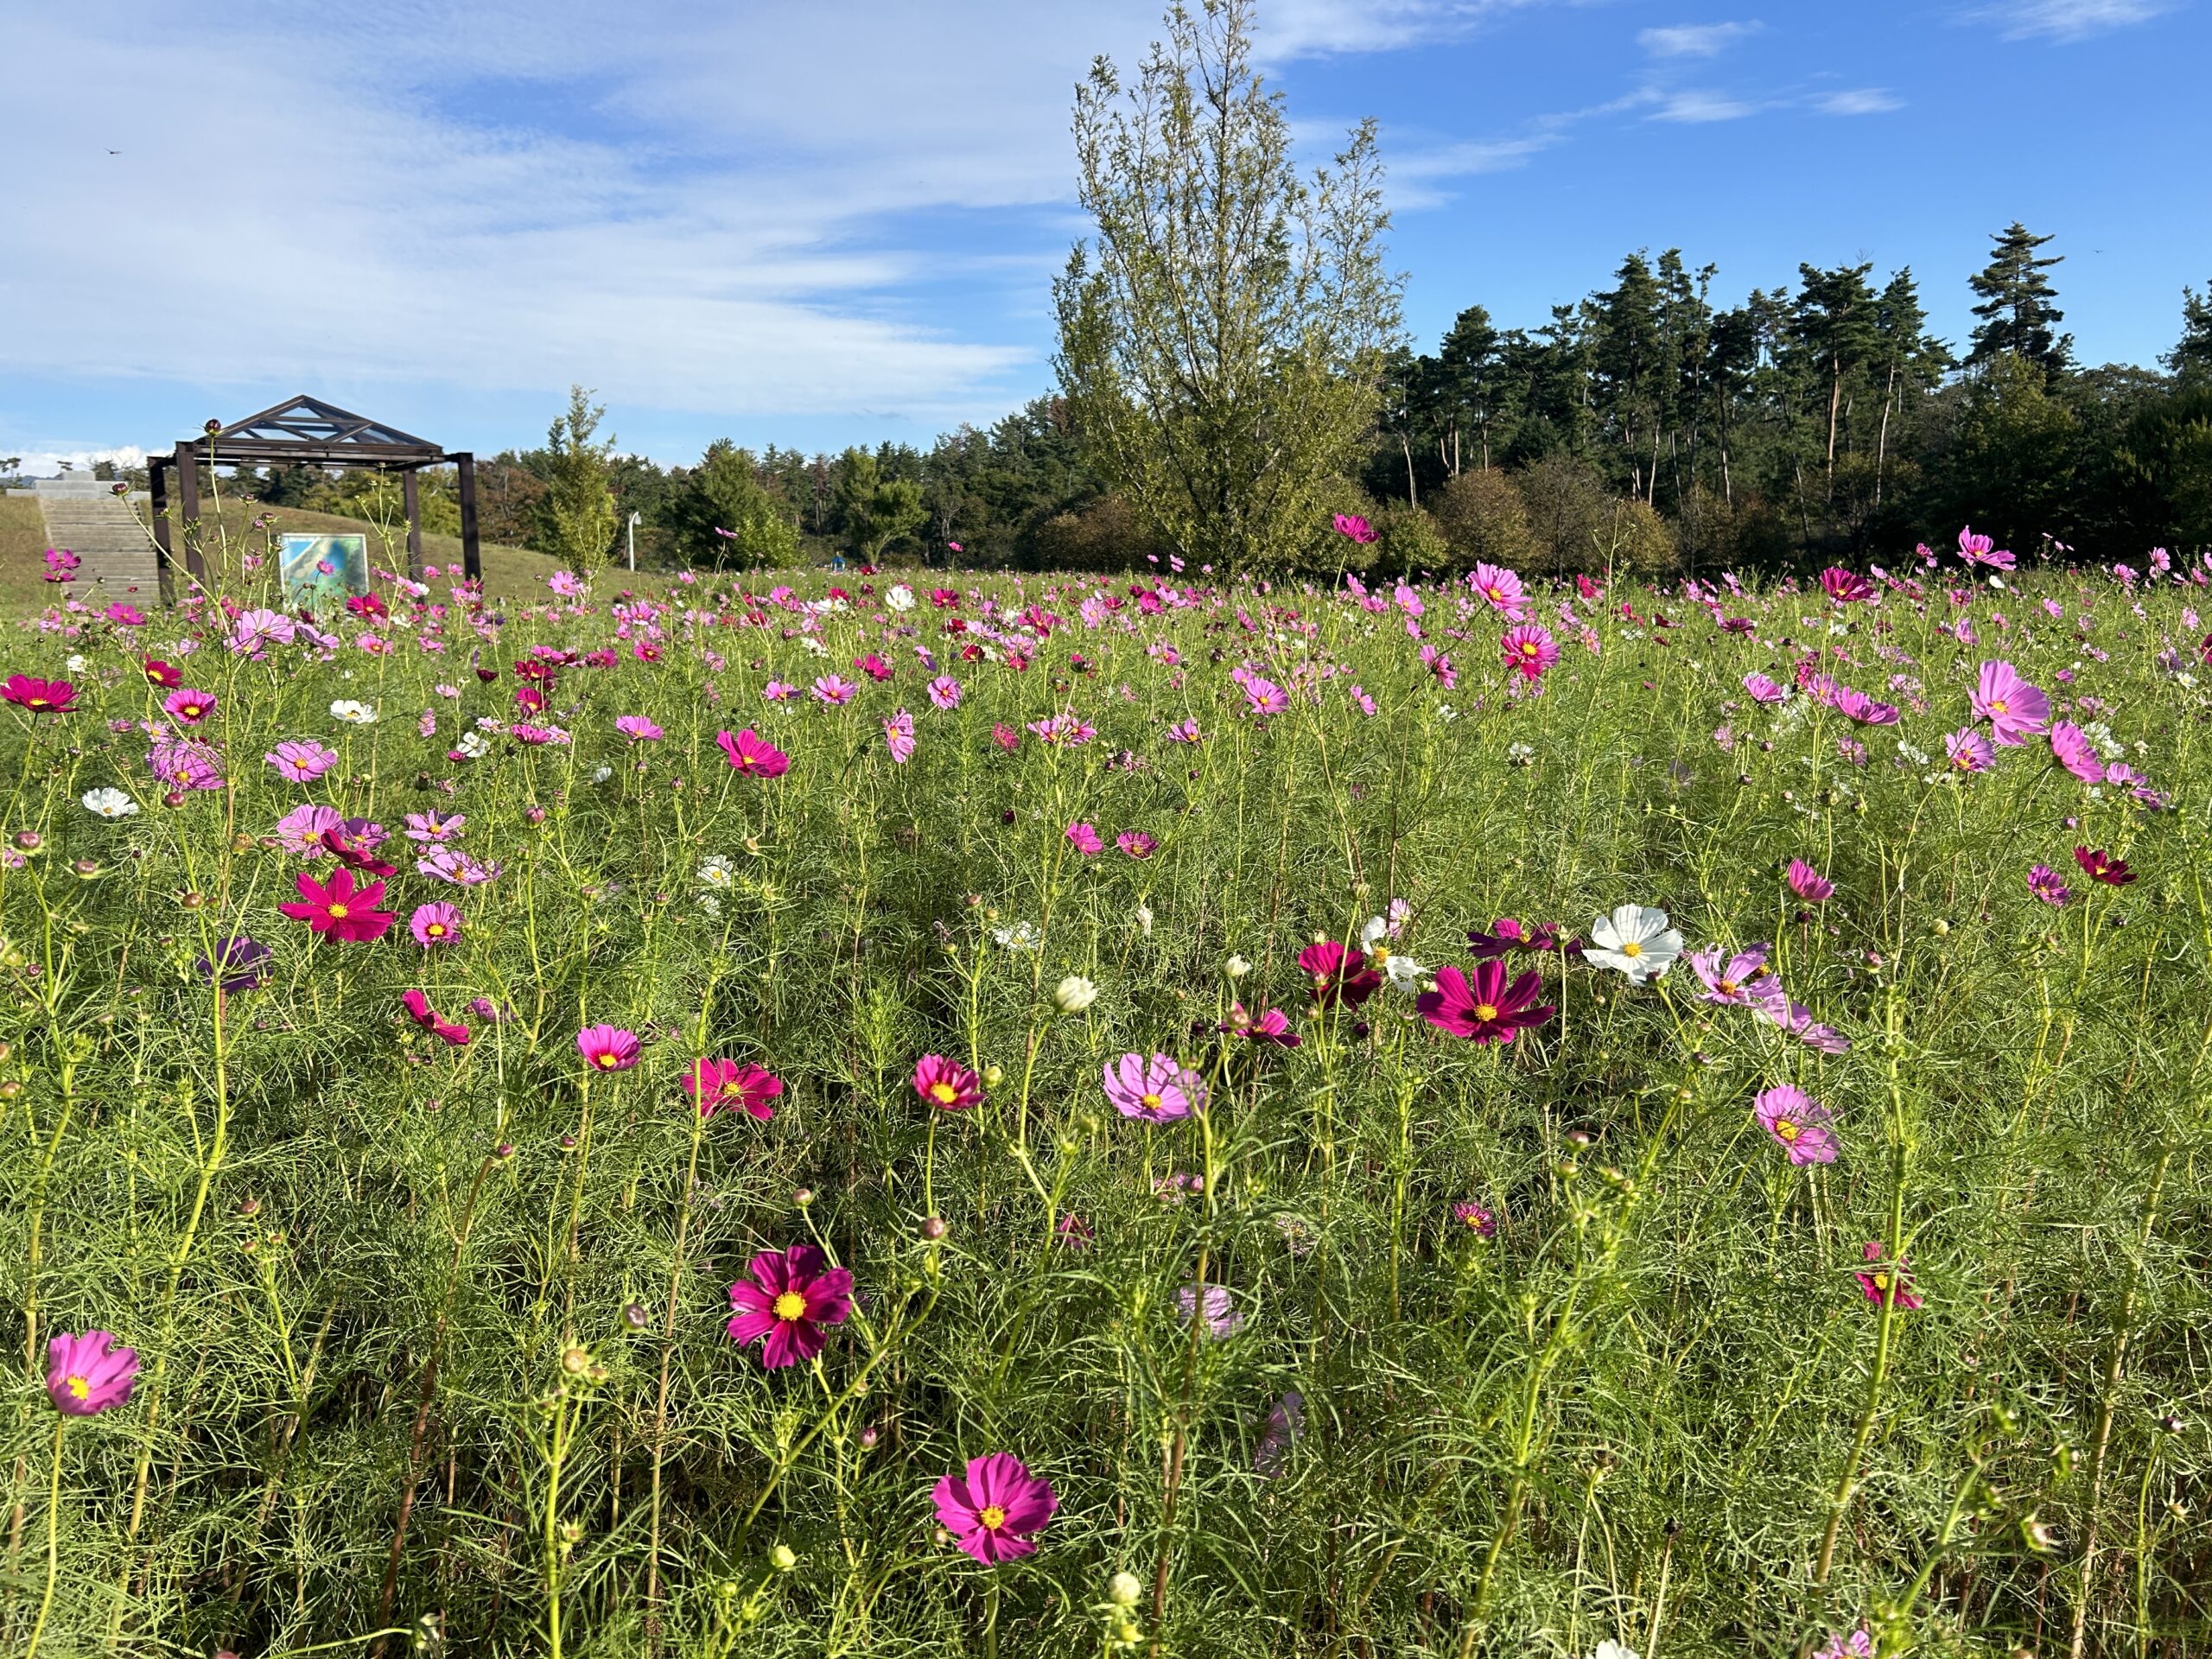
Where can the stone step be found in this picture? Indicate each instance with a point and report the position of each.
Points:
(107, 536)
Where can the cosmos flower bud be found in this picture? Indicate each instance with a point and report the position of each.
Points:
(934, 1228)
(782, 1558)
(1122, 1590)
(1237, 967)
(1074, 994)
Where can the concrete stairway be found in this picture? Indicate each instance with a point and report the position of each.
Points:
(85, 516)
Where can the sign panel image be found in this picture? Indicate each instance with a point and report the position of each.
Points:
(323, 570)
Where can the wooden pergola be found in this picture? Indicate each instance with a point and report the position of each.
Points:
(305, 431)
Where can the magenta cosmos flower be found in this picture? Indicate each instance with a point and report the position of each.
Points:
(339, 908)
(1486, 1009)
(1158, 1089)
(790, 1296)
(419, 1011)
(995, 1512)
(86, 1374)
(1808, 883)
(946, 1085)
(1968, 750)
(2071, 748)
(607, 1048)
(1135, 842)
(1337, 975)
(752, 754)
(1354, 527)
(40, 696)
(1798, 1123)
(190, 707)
(435, 924)
(732, 1085)
(1084, 839)
(2045, 883)
(1529, 650)
(1270, 1026)
(1845, 587)
(638, 728)
(1476, 1219)
(1881, 1280)
(2015, 709)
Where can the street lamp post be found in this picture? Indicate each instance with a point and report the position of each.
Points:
(632, 529)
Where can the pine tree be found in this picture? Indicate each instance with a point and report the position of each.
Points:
(1463, 378)
(1906, 356)
(579, 506)
(2192, 357)
(1833, 325)
(2018, 315)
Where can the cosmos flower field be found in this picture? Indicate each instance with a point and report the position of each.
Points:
(1015, 1114)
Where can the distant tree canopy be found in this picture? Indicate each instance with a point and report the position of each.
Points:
(1643, 425)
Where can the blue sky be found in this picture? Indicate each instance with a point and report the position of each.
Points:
(837, 222)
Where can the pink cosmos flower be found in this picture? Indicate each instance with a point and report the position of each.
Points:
(1797, 1020)
(1969, 750)
(1270, 1026)
(40, 696)
(1486, 1009)
(1857, 707)
(1264, 696)
(1158, 1089)
(1221, 1317)
(419, 1011)
(1338, 975)
(301, 830)
(2045, 883)
(435, 924)
(87, 1375)
(752, 754)
(1184, 731)
(898, 737)
(1285, 1422)
(1135, 842)
(190, 707)
(1085, 839)
(995, 1512)
(718, 1085)
(1529, 650)
(1763, 689)
(778, 691)
(2015, 709)
(1501, 589)
(339, 909)
(1475, 1218)
(1883, 1281)
(1981, 549)
(450, 864)
(1743, 982)
(834, 690)
(1860, 1644)
(1845, 587)
(607, 1048)
(944, 692)
(946, 1085)
(428, 828)
(1798, 1123)
(1808, 884)
(301, 762)
(638, 728)
(182, 764)
(2071, 748)
(1351, 524)
(787, 1300)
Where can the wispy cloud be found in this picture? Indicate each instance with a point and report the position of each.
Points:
(1694, 40)
(2069, 20)
(1858, 100)
(1698, 107)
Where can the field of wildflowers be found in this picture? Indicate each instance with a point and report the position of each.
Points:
(1107, 1117)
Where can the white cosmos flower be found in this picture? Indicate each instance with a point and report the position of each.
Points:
(354, 714)
(1074, 994)
(601, 774)
(472, 744)
(1021, 936)
(1404, 973)
(715, 874)
(1610, 1649)
(1636, 939)
(109, 803)
(1143, 914)
(901, 597)
(76, 662)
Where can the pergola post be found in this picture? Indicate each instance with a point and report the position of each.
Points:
(411, 492)
(188, 507)
(472, 555)
(157, 491)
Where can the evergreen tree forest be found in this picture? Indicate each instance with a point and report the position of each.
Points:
(1644, 425)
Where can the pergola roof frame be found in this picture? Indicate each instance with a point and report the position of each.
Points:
(305, 431)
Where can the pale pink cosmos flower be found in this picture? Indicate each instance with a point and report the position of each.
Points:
(1763, 689)
(1221, 1316)
(2015, 709)
(427, 829)
(1797, 1123)
(450, 864)
(1741, 982)
(834, 690)
(898, 737)
(1969, 750)
(1085, 839)
(301, 762)
(1158, 1089)
(944, 692)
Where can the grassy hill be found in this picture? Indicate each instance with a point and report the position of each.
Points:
(508, 571)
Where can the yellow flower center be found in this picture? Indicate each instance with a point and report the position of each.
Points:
(1726, 987)
(1632, 948)
(604, 1060)
(943, 1093)
(1527, 647)
(791, 1305)
(1150, 1102)
(80, 1388)
(1486, 1011)
(338, 913)
(1999, 706)
(1881, 1281)
(435, 930)
(1786, 1129)
(992, 1517)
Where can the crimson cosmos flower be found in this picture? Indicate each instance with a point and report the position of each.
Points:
(788, 1298)
(40, 696)
(1339, 975)
(165, 674)
(1881, 1280)
(339, 908)
(717, 1085)
(1489, 1010)
(2101, 866)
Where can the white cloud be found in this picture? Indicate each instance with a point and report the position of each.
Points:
(1694, 40)
(47, 463)
(1859, 100)
(2069, 20)
(1702, 106)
